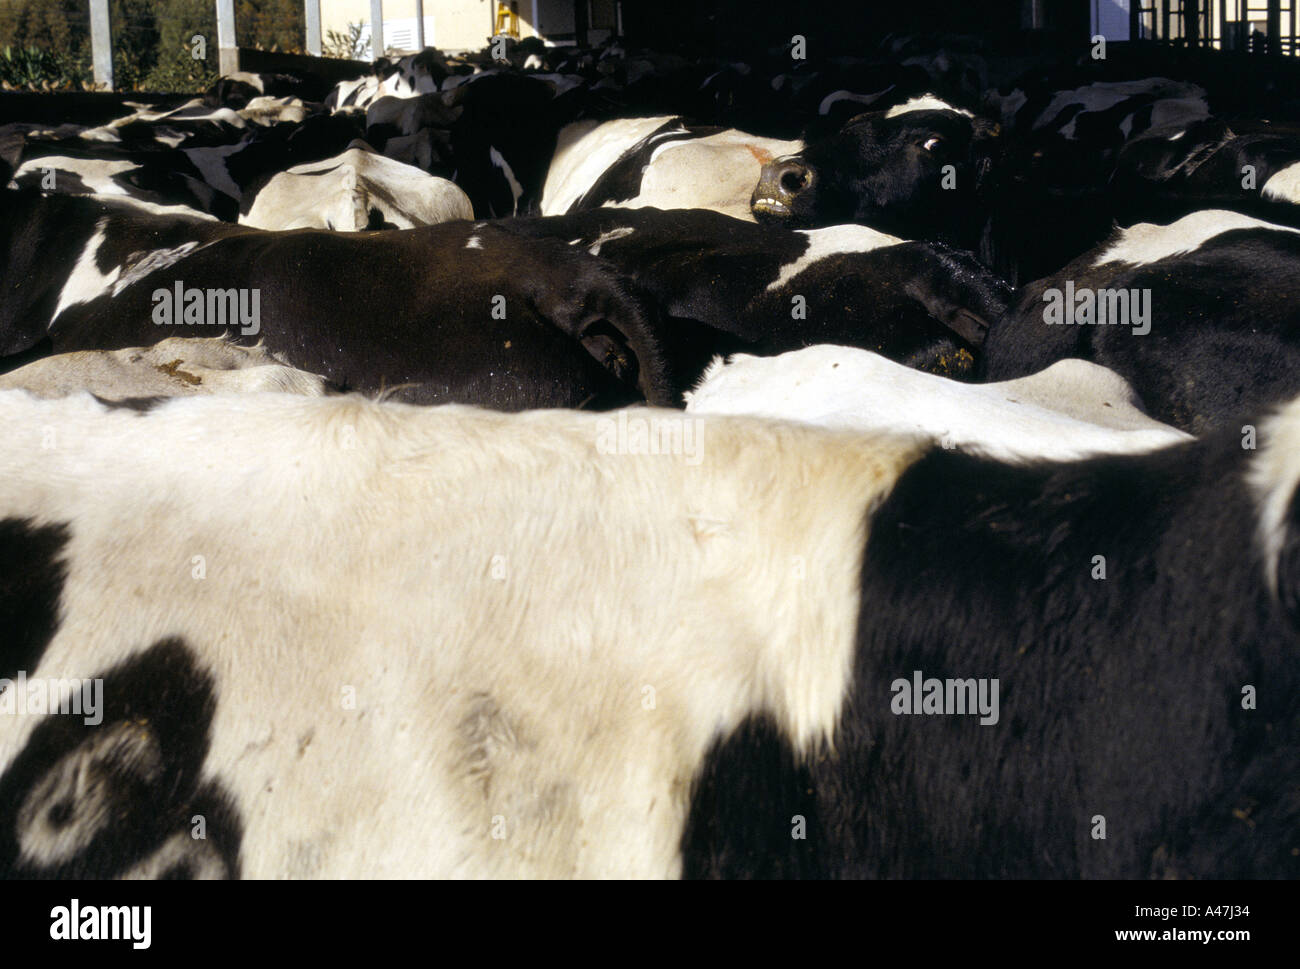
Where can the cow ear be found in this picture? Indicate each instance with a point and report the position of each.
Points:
(987, 147)
(819, 129)
(986, 130)
(610, 349)
(862, 117)
(968, 300)
(634, 362)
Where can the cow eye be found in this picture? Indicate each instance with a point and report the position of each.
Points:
(932, 143)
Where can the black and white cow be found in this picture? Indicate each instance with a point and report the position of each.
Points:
(671, 161)
(1202, 317)
(1101, 115)
(663, 162)
(503, 139)
(846, 87)
(358, 189)
(244, 88)
(920, 170)
(171, 124)
(553, 649)
(455, 312)
(173, 367)
(1171, 171)
(725, 286)
(416, 131)
(1072, 409)
(195, 157)
(406, 77)
(493, 134)
(159, 177)
(268, 151)
(1026, 204)
(886, 169)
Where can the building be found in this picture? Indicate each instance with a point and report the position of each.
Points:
(454, 25)
(1244, 25)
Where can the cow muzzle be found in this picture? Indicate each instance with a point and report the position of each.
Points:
(780, 183)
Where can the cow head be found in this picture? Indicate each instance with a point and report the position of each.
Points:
(888, 170)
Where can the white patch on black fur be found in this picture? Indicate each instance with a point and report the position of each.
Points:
(87, 282)
(1275, 477)
(864, 99)
(152, 262)
(516, 190)
(1145, 243)
(610, 236)
(832, 241)
(1284, 185)
(95, 174)
(925, 102)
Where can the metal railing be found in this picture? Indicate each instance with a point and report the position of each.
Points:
(101, 30)
(1248, 26)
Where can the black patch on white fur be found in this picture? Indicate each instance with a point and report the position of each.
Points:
(745, 808)
(162, 699)
(622, 180)
(32, 574)
(141, 405)
(1119, 697)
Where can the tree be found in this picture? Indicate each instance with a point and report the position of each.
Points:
(270, 24)
(44, 42)
(176, 69)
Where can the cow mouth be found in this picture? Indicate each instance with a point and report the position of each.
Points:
(770, 208)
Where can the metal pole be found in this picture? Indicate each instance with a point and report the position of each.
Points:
(419, 24)
(313, 26)
(101, 44)
(376, 29)
(227, 51)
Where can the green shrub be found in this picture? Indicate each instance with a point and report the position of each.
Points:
(48, 41)
(34, 67)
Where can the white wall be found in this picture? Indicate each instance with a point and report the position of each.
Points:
(449, 24)
(1110, 19)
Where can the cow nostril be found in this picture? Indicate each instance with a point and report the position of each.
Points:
(795, 180)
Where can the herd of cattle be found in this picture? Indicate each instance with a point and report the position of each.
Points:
(901, 485)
